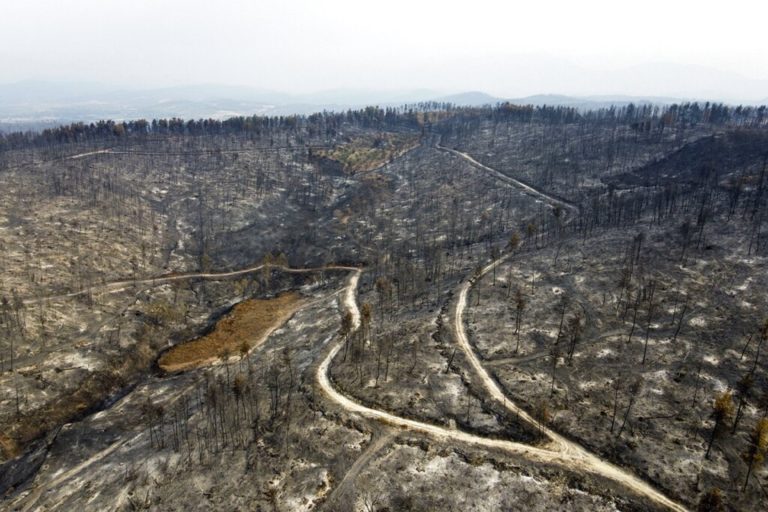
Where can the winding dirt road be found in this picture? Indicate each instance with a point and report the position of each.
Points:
(577, 458)
(118, 286)
(558, 451)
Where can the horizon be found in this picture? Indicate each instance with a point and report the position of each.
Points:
(713, 86)
(355, 256)
(107, 87)
(592, 49)
(34, 104)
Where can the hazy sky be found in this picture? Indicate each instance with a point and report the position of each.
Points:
(506, 48)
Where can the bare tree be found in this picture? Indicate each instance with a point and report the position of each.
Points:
(743, 387)
(680, 320)
(346, 330)
(371, 500)
(652, 289)
(616, 384)
(634, 392)
(519, 307)
(554, 354)
(686, 233)
(634, 315)
(573, 330)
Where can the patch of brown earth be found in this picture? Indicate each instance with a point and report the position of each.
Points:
(246, 326)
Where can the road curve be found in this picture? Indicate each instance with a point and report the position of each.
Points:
(565, 453)
(577, 457)
(322, 375)
(559, 451)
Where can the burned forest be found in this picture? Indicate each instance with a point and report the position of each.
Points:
(428, 307)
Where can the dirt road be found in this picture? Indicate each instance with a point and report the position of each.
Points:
(577, 458)
(118, 286)
(538, 194)
(349, 303)
(558, 451)
(89, 153)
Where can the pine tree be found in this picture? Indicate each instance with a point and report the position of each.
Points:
(758, 446)
(722, 410)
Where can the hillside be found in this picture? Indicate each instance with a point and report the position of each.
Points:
(499, 307)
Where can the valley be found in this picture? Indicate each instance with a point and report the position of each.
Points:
(496, 308)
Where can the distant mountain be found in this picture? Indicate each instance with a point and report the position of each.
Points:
(547, 99)
(36, 101)
(469, 99)
(32, 102)
(36, 104)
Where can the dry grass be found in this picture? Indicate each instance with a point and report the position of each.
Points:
(96, 386)
(249, 323)
(8, 447)
(366, 153)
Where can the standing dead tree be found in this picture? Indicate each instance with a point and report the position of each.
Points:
(743, 387)
(651, 305)
(634, 391)
(519, 307)
(573, 332)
